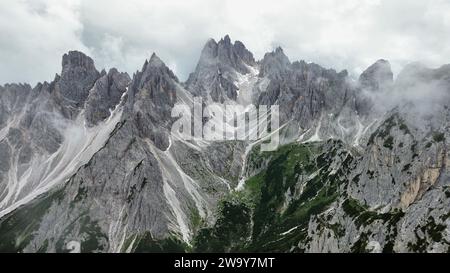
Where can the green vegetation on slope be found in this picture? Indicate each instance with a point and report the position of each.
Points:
(17, 229)
(296, 184)
(145, 243)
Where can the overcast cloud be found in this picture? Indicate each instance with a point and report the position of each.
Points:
(344, 34)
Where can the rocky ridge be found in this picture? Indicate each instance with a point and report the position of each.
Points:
(363, 165)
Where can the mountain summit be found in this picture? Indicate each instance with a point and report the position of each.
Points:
(377, 76)
(220, 66)
(91, 158)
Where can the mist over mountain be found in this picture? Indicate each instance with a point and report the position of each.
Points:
(362, 166)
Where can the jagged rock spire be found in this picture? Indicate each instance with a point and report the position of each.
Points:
(218, 67)
(274, 63)
(225, 53)
(77, 76)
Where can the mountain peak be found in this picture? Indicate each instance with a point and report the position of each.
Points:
(155, 60)
(77, 77)
(220, 63)
(382, 61)
(274, 63)
(279, 50)
(154, 67)
(417, 72)
(226, 39)
(377, 76)
(211, 43)
(244, 53)
(225, 53)
(77, 59)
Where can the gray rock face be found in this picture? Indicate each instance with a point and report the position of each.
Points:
(316, 103)
(139, 181)
(377, 77)
(105, 95)
(274, 64)
(151, 96)
(227, 54)
(216, 72)
(90, 158)
(43, 133)
(416, 73)
(398, 185)
(12, 99)
(77, 76)
(72, 88)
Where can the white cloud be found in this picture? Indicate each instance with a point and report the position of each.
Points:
(34, 35)
(346, 34)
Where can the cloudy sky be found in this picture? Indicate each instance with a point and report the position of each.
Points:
(348, 34)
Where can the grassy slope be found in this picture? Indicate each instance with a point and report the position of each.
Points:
(255, 218)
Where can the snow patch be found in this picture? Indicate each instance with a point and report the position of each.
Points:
(289, 231)
(316, 137)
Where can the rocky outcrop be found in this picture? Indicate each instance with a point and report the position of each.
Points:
(44, 134)
(72, 88)
(137, 181)
(274, 64)
(220, 65)
(105, 95)
(377, 77)
(90, 158)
